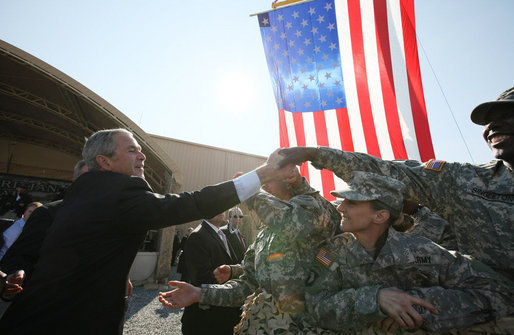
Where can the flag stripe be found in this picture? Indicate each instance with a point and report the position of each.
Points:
(387, 82)
(417, 98)
(327, 179)
(361, 80)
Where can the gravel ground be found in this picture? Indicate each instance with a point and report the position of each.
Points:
(146, 315)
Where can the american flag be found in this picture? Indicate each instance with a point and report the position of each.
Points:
(346, 75)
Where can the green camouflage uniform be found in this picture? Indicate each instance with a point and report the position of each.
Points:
(274, 266)
(430, 225)
(343, 296)
(478, 200)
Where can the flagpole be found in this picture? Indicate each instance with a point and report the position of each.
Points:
(286, 3)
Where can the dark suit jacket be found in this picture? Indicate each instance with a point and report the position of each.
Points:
(78, 285)
(204, 252)
(24, 252)
(234, 243)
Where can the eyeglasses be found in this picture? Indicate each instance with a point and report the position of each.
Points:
(238, 216)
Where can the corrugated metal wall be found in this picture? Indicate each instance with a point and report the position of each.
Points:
(202, 165)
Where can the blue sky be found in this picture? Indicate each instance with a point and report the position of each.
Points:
(196, 71)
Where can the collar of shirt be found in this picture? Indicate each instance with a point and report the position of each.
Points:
(216, 229)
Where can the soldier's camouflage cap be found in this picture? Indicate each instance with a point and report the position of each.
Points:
(480, 115)
(367, 186)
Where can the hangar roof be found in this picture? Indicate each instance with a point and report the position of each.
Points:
(42, 106)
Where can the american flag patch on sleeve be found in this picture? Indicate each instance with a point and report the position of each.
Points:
(325, 257)
(435, 165)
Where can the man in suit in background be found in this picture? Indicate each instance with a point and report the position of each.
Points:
(233, 234)
(80, 281)
(205, 250)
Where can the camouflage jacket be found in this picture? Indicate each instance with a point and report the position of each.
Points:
(344, 293)
(275, 263)
(477, 200)
(430, 225)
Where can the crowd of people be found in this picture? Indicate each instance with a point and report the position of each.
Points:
(351, 266)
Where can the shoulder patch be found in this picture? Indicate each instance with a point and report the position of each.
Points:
(325, 257)
(435, 165)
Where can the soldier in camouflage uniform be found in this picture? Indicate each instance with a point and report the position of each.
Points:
(372, 273)
(274, 268)
(477, 200)
(429, 224)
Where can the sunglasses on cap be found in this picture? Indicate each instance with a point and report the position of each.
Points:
(238, 216)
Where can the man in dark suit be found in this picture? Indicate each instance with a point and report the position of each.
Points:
(233, 233)
(205, 250)
(79, 283)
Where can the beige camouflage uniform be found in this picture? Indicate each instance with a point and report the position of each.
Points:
(274, 266)
(478, 200)
(343, 296)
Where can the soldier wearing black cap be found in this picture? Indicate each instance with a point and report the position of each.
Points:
(477, 199)
(372, 273)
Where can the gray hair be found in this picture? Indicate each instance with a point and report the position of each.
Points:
(100, 143)
(77, 170)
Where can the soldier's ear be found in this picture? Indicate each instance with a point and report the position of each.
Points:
(382, 216)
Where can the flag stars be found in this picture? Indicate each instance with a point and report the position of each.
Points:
(323, 103)
(295, 79)
(323, 38)
(320, 19)
(305, 87)
(325, 57)
(309, 60)
(265, 21)
(292, 105)
(289, 87)
(330, 93)
(339, 100)
(321, 85)
(314, 96)
(291, 43)
(335, 65)
(314, 30)
(296, 15)
(311, 78)
(304, 23)
(317, 49)
(285, 53)
(307, 104)
(289, 25)
(300, 51)
(276, 46)
(268, 38)
(280, 17)
(312, 11)
(331, 26)
(328, 6)
(319, 67)
(332, 46)
(283, 35)
(274, 29)
(303, 69)
(307, 41)
(298, 33)
(293, 60)
(328, 75)
(298, 96)
(337, 83)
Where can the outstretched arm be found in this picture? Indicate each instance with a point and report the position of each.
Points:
(184, 295)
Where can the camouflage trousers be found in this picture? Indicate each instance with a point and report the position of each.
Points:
(261, 316)
(503, 326)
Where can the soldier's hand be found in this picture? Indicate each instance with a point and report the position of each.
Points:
(222, 273)
(297, 155)
(398, 305)
(184, 295)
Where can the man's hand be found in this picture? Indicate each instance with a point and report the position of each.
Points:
(222, 273)
(184, 295)
(271, 171)
(297, 155)
(12, 285)
(398, 305)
